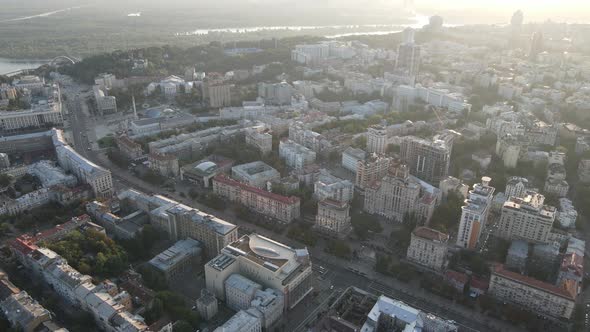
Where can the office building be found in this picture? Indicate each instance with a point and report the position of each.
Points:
(44, 113)
(267, 262)
(183, 256)
(428, 160)
(474, 214)
(98, 178)
(371, 169)
(536, 296)
(333, 218)
(295, 155)
(377, 139)
(527, 218)
(351, 157)
(282, 208)
(428, 247)
(328, 186)
(257, 174)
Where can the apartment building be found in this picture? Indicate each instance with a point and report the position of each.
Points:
(240, 291)
(219, 95)
(452, 184)
(264, 261)
(97, 177)
(527, 218)
(428, 247)
(428, 160)
(351, 157)
(129, 147)
(181, 221)
(105, 104)
(295, 155)
(536, 296)
(260, 140)
(275, 93)
(516, 186)
(399, 194)
(328, 186)
(377, 139)
(165, 164)
(299, 134)
(243, 321)
(282, 208)
(333, 218)
(372, 169)
(474, 214)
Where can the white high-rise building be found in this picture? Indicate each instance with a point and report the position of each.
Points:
(527, 218)
(475, 213)
(376, 139)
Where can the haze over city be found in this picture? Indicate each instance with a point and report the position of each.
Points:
(281, 166)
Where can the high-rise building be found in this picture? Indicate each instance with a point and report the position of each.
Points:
(516, 187)
(376, 139)
(333, 218)
(428, 160)
(475, 213)
(527, 218)
(371, 169)
(536, 45)
(328, 186)
(267, 262)
(398, 194)
(275, 93)
(408, 54)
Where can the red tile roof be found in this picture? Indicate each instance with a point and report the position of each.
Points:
(531, 282)
(456, 276)
(222, 178)
(430, 234)
(480, 283)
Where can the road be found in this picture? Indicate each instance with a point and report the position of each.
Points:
(339, 276)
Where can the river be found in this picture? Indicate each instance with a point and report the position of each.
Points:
(11, 65)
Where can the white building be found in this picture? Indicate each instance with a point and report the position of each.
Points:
(257, 174)
(179, 258)
(516, 187)
(330, 187)
(567, 214)
(350, 158)
(104, 104)
(295, 155)
(240, 291)
(271, 304)
(475, 213)
(243, 321)
(333, 218)
(527, 219)
(376, 139)
(275, 93)
(428, 247)
(310, 53)
(270, 263)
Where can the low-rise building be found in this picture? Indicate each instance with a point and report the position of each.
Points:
(282, 208)
(537, 296)
(243, 321)
(164, 164)
(23, 312)
(183, 256)
(567, 214)
(333, 218)
(129, 147)
(271, 303)
(517, 255)
(428, 247)
(262, 140)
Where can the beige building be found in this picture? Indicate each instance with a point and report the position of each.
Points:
(429, 160)
(165, 164)
(333, 218)
(376, 139)
(374, 168)
(428, 247)
(398, 194)
(526, 218)
(218, 95)
(261, 140)
(282, 208)
(537, 296)
(129, 147)
(267, 262)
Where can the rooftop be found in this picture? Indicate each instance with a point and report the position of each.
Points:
(531, 282)
(178, 252)
(284, 199)
(431, 234)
